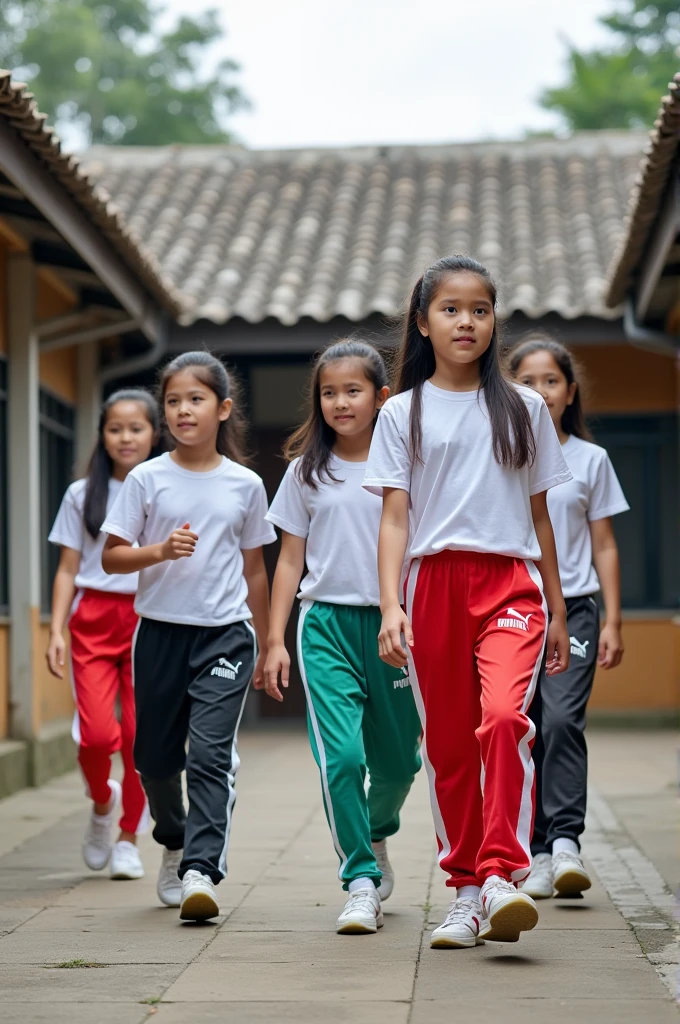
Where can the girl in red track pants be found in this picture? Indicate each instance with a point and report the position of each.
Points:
(99, 610)
(463, 459)
(479, 625)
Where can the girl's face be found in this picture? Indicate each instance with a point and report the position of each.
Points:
(349, 400)
(193, 411)
(540, 371)
(460, 319)
(128, 435)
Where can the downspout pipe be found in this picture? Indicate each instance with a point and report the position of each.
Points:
(647, 338)
(146, 361)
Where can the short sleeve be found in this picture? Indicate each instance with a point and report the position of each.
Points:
(68, 528)
(288, 510)
(549, 468)
(127, 517)
(389, 461)
(606, 497)
(256, 530)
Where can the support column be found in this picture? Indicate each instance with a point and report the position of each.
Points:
(24, 497)
(89, 403)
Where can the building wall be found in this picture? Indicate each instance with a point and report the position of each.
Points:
(622, 379)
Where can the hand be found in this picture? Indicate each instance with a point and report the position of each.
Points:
(180, 544)
(557, 646)
(610, 648)
(278, 662)
(55, 655)
(394, 623)
(258, 671)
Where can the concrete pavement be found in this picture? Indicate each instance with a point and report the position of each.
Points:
(76, 947)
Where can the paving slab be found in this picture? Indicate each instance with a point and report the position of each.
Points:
(74, 1013)
(94, 985)
(485, 1010)
(325, 981)
(255, 1012)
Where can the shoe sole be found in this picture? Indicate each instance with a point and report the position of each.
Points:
(358, 928)
(122, 876)
(445, 943)
(199, 907)
(175, 904)
(572, 883)
(507, 924)
(538, 895)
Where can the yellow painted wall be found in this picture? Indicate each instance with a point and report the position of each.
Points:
(58, 369)
(4, 681)
(620, 378)
(648, 678)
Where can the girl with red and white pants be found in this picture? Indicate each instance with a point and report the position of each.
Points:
(463, 459)
(99, 611)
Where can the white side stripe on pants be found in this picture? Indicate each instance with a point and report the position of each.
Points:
(304, 608)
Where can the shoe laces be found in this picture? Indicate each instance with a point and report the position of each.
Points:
(172, 859)
(498, 887)
(565, 857)
(100, 829)
(459, 910)
(363, 899)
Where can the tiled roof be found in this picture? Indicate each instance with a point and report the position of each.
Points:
(320, 233)
(19, 110)
(650, 184)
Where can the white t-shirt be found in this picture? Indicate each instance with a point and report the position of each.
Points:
(226, 507)
(340, 522)
(461, 498)
(594, 492)
(69, 531)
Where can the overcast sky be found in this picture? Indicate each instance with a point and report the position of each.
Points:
(336, 72)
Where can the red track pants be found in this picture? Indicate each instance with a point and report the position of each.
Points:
(102, 627)
(479, 623)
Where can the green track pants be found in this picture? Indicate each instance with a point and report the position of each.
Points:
(361, 715)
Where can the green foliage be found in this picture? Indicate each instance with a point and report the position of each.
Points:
(111, 71)
(620, 86)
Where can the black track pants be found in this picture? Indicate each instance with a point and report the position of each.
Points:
(191, 683)
(559, 713)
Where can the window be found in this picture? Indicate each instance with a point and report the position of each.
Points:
(4, 580)
(644, 452)
(57, 450)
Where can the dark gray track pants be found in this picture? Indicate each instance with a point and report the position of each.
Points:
(558, 711)
(191, 683)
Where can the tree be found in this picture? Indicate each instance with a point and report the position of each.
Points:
(110, 71)
(620, 86)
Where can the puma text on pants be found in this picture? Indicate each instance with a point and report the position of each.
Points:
(479, 623)
(191, 683)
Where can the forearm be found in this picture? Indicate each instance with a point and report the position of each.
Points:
(63, 593)
(392, 543)
(548, 567)
(258, 602)
(284, 588)
(606, 563)
(122, 559)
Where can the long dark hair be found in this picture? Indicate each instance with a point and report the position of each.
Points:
(573, 420)
(314, 440)
(100, 466)
(231, 433)
(514, 445)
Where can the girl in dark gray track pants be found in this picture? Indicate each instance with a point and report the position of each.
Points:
(199, 517)
(581, 512)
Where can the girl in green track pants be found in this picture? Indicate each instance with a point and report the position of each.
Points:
(360, 712)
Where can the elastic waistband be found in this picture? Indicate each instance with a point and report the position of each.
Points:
(113, 595)
(470, 557)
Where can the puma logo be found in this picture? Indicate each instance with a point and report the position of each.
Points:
(225, 669)
(515, 620)
(577, 648)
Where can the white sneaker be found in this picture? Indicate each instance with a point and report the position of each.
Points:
(361, 914)
(539, 882)
(461, 927)
(387, 881)
(199, 900)
(169, 885)
(507, 912)
(571, 877)
(98, 839)
(125, 861)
